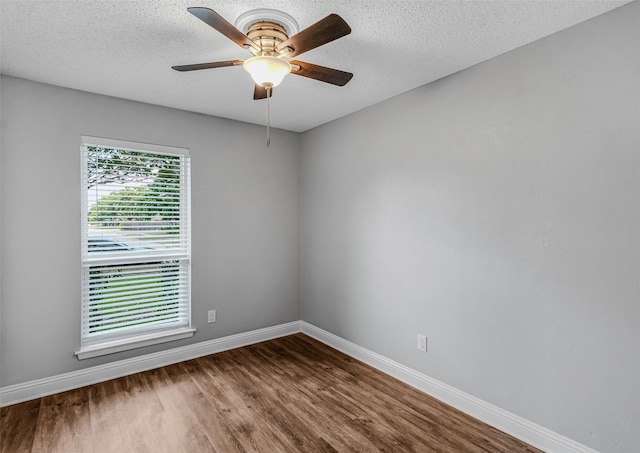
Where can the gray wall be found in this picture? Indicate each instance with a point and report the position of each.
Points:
(245, 221)
(497, 211)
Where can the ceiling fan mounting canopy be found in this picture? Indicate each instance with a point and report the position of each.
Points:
(273, 39)
(245, 20)
(268, 35)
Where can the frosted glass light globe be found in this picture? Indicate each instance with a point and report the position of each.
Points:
(267, 71)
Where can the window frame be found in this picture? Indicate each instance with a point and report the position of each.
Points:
(144, 336)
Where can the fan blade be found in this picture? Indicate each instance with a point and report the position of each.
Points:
(321, 73)
(326, 30)
(215, 20)
(261, 93)
(216, 64)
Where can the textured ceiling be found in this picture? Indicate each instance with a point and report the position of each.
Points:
(126, 49)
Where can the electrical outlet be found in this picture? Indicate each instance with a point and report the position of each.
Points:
(422, 343)
(212, 316)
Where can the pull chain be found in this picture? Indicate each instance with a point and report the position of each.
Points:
(268, 116)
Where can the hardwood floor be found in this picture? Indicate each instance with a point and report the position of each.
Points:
(291, 394)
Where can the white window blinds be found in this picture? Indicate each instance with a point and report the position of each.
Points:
(136, 244)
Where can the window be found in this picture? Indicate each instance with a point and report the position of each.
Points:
(136, 245)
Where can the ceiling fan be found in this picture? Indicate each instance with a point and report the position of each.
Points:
(268, 40)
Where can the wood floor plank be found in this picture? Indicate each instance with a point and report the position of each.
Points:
(18, 425)
(312, 386)
(199, 444)
(107, 439)
(237, 416)
(274, 403)
(63, 423)
(221, 377)
(142, 409)
(104, 407)
(292, 394)
(184, 422)
(207, 415)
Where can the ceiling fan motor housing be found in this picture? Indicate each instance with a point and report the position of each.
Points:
(268, 36)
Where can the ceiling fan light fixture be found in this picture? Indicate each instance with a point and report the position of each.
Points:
(267, 71)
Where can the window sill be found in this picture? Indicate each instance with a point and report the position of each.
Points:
(110, 347)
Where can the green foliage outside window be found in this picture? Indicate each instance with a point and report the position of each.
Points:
(150, 190)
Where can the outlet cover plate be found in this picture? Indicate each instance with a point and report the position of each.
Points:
(422, 343)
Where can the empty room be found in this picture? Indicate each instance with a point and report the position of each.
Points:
(337, 226)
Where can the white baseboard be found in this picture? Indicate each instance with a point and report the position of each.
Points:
(75, 379)
(512, 424)
(516, 426)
